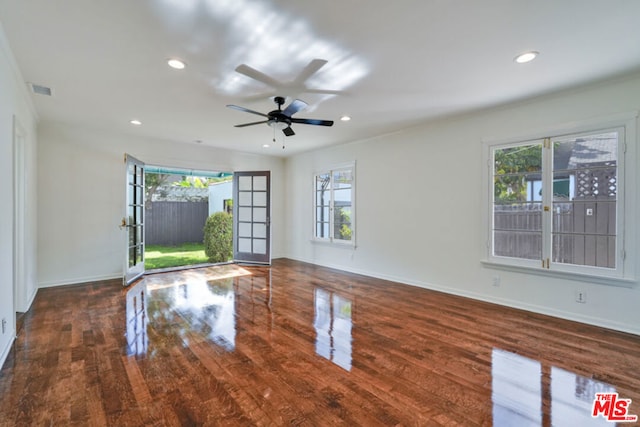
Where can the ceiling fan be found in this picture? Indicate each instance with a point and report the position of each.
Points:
(281, 119)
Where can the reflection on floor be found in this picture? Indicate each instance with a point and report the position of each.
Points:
(517, 393)
(333, 327)
(303, 345)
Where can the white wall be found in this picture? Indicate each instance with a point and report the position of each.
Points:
(82, 201)
(419, 207)
(15, 106)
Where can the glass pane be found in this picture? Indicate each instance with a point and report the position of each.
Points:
(323, 182)
(585, 151)
(517, 188)
(260, 198)
(244, 229)
(342, 196)
(517, 173)
(322, 214)
(244, 198)
(517, 244)
(140, 254)
(518, 159)
(244, 245)
(244, 214)
(322, 230)
(342, 178)
(139, 235)
(132, 256)
(244, 183)
(259, 215)
(259, 183)
(342, 223)
(585, 187)
(323, 198)
(259, 246)
(139, 195)
(518, 216)
(131, 173)
(260, 230)
(587, 249)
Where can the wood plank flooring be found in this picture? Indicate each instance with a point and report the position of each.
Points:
(297, 344)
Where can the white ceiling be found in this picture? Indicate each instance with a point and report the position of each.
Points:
(400, 62)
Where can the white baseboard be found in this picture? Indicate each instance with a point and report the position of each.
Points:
(6, 350)
(590, 320)
(78, 280)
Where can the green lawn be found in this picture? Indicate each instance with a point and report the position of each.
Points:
(157, 256)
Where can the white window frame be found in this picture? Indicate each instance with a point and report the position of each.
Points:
(351, 166)
(624, 272)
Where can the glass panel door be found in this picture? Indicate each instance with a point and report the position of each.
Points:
(251, 217)
(133, 222)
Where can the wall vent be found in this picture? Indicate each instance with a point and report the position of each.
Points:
(40, 90)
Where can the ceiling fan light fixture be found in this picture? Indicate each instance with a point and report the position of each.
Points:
(176, 63)
(525, 57)
(278, 124)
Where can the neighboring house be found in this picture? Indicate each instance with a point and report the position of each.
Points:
(220, 196)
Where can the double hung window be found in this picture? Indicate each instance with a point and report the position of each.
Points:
(334, 219)
(557, 203)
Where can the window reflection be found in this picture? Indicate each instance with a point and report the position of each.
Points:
(516, 390)
(333, 327)
(136, 318)
(572, 398)
(210, 308)
(518, 397)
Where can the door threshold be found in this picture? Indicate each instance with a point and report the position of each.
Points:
(185, 267)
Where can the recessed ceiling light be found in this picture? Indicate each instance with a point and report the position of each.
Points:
(176, 63)
(526, 57)
(345, 118)
(135, 122)
(265, 146)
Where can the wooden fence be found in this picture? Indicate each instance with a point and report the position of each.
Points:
(584, 231)
(174, 223)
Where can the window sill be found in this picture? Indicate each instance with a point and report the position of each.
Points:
(334, 244)
(603, 280)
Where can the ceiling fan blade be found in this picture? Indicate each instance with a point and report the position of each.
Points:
(246, 110)
(313, 122)
(326, 92)
(251, 124)
(259, 96)
(295, 106)
(288, 131)
(310, 70)
(257, 75)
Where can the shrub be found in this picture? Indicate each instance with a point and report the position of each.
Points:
(218, 237)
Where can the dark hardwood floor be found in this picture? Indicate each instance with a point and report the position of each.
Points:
(297, 344)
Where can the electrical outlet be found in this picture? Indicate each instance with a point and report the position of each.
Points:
(496, 281)
(581, 297)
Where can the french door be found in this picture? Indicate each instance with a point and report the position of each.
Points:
(133, 221)
(252, 217)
